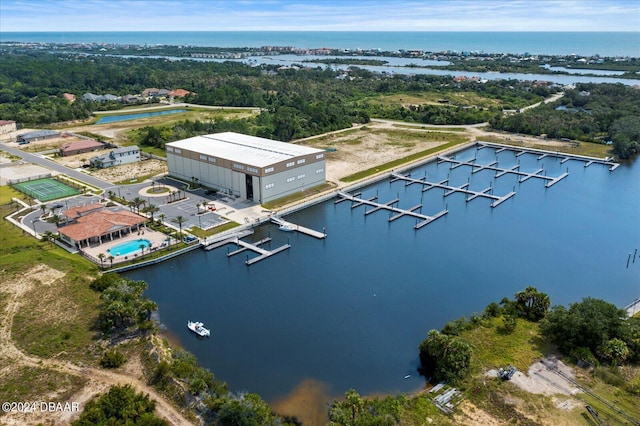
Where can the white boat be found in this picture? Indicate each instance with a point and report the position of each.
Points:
(288, 227)
(198, 328)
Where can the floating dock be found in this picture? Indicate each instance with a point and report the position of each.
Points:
(303, 230)
(500, 171)
(426, 185)
(356, 202)
(244, 246)
(543, 154)
(214, 242)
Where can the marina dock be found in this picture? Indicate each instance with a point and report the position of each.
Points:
(244, 246)
(421, 219)
(294, 227)
(633, 308)
(543, 154)
(524, 176)
(426, 185)
(216, 241)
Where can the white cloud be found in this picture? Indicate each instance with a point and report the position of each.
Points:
(319, 15)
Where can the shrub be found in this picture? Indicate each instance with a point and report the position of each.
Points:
(112, 359)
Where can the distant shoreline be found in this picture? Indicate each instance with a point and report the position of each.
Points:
(542, 43)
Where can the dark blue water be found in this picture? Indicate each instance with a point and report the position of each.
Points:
(549, 43)
(124, 117)
(351, 311)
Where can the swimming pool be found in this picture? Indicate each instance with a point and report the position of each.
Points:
(129, 247)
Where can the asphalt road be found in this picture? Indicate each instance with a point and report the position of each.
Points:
(52, 165)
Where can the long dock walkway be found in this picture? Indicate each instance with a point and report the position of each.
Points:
(426, 185)
(244, 246)
(633, 308)
(543, 154)
(298, 228)
(356, 202)
(524, 176)
(263, 254)
(214, 242)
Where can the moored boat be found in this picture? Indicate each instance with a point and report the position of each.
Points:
(287, 227)
(198, 328)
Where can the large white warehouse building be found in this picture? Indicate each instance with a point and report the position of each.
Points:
(246, 166)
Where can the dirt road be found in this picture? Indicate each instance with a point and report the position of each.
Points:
(98, 380)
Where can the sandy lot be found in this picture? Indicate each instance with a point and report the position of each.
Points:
(16, 291)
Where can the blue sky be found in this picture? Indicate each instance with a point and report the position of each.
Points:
(319, 15)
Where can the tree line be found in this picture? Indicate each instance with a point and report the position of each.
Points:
(295, 102)
(589, 112)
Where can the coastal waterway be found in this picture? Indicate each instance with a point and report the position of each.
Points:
(349, 311)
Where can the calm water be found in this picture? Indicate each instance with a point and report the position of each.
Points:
(124, 117)
(550, 43)
(129, 247)
(351, 310)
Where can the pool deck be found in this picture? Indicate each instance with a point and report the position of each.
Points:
(156, 239)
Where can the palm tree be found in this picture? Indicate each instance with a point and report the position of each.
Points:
(111, 259)
(49, 236)
(101, 256)
(162, 216)
(56, 219)
(151, 209)
(142, 247)
(44, 208)
(137, 202)
(179, 220)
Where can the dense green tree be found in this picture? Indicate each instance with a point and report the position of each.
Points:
(246, 410)
(614, 350)
(532, 304)
(588, 324)
(444, 357)
(123, 304)
(120, 406)
(354, 410)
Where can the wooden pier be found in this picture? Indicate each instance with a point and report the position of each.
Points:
(471, 195)
(356, 202)
(244, 246)
(294, 227)
(500, 171)
(543, 154)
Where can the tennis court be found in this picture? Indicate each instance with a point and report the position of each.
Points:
(45, 189)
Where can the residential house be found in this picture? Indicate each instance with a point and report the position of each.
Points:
(37, 135)
(80, 147)
(116, 157)
(7, 126)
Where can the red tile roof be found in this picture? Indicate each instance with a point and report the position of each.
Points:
(97, 223)
(81, 144)
(179, 93)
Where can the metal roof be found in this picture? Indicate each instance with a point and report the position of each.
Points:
(251, 150)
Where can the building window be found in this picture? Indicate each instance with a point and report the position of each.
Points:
(291, 164)
(302, 176)
(301, 161)
(269, 185)
(203, 157)
(212, 160)
(252, 169)
(319, 171)
(268, 170)
(238, 166)
(177, 151)
(291, 179)
(319, 156)
(170, 148)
